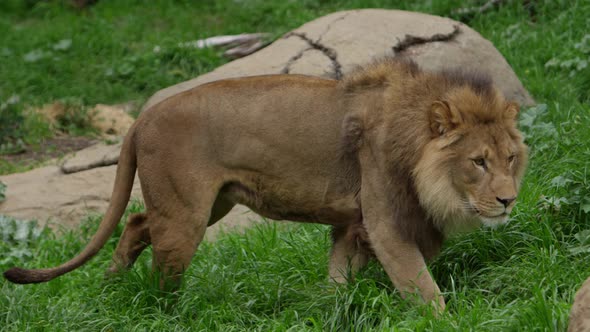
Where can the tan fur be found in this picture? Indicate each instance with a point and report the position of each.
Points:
(580, 312)
(388, 156)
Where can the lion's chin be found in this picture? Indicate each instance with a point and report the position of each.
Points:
(494, 222)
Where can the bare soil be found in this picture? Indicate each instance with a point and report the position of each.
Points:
(50, 148)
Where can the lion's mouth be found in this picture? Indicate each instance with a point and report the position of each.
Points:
(497, 216)
(489, 215)
(489, 219)
(481, 214)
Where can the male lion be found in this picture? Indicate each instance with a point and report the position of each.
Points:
(394, 158)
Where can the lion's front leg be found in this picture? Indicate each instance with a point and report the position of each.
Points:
(405, 266)
(400, 256)
(401, 259)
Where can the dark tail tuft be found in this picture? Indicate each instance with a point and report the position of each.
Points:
(23, 276)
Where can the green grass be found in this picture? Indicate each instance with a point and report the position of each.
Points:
(520, 277)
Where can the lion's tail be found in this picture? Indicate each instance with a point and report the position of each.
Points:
(121, 192)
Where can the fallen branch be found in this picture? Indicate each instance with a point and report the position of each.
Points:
(243, 50)
(239, 45)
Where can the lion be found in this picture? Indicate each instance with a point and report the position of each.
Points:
(580, 312)
(394, 158)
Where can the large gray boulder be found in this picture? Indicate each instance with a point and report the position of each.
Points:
(329, 47)
(333, 45)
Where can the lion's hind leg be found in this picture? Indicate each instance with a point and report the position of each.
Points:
(350, 252)
(178, 226)
(135, 238)
(175, 239)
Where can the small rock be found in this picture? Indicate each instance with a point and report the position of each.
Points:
(98, 155)
(56, 199)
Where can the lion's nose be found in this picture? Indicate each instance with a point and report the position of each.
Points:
(505, 201)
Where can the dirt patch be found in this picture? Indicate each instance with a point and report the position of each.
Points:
(49, 148)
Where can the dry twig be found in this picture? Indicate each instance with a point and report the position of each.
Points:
(239, 45)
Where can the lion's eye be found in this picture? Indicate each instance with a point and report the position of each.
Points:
(479, 162)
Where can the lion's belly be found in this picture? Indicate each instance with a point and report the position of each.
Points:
(283, 203)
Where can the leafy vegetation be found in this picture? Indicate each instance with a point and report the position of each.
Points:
(11, 119)
(519, 277)
(2, 191)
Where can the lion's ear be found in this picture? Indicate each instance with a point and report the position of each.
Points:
(444, 117)
(511, 111)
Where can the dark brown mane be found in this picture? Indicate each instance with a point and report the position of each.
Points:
(381, 71)
(387, 70)
(479, 82)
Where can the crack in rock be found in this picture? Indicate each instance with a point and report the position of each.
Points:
(410, 40)
(329, 26)
(316, 45)
(293, 59)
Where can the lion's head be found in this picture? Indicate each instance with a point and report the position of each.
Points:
(470, 172)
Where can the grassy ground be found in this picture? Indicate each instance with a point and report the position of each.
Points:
(520, 277)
